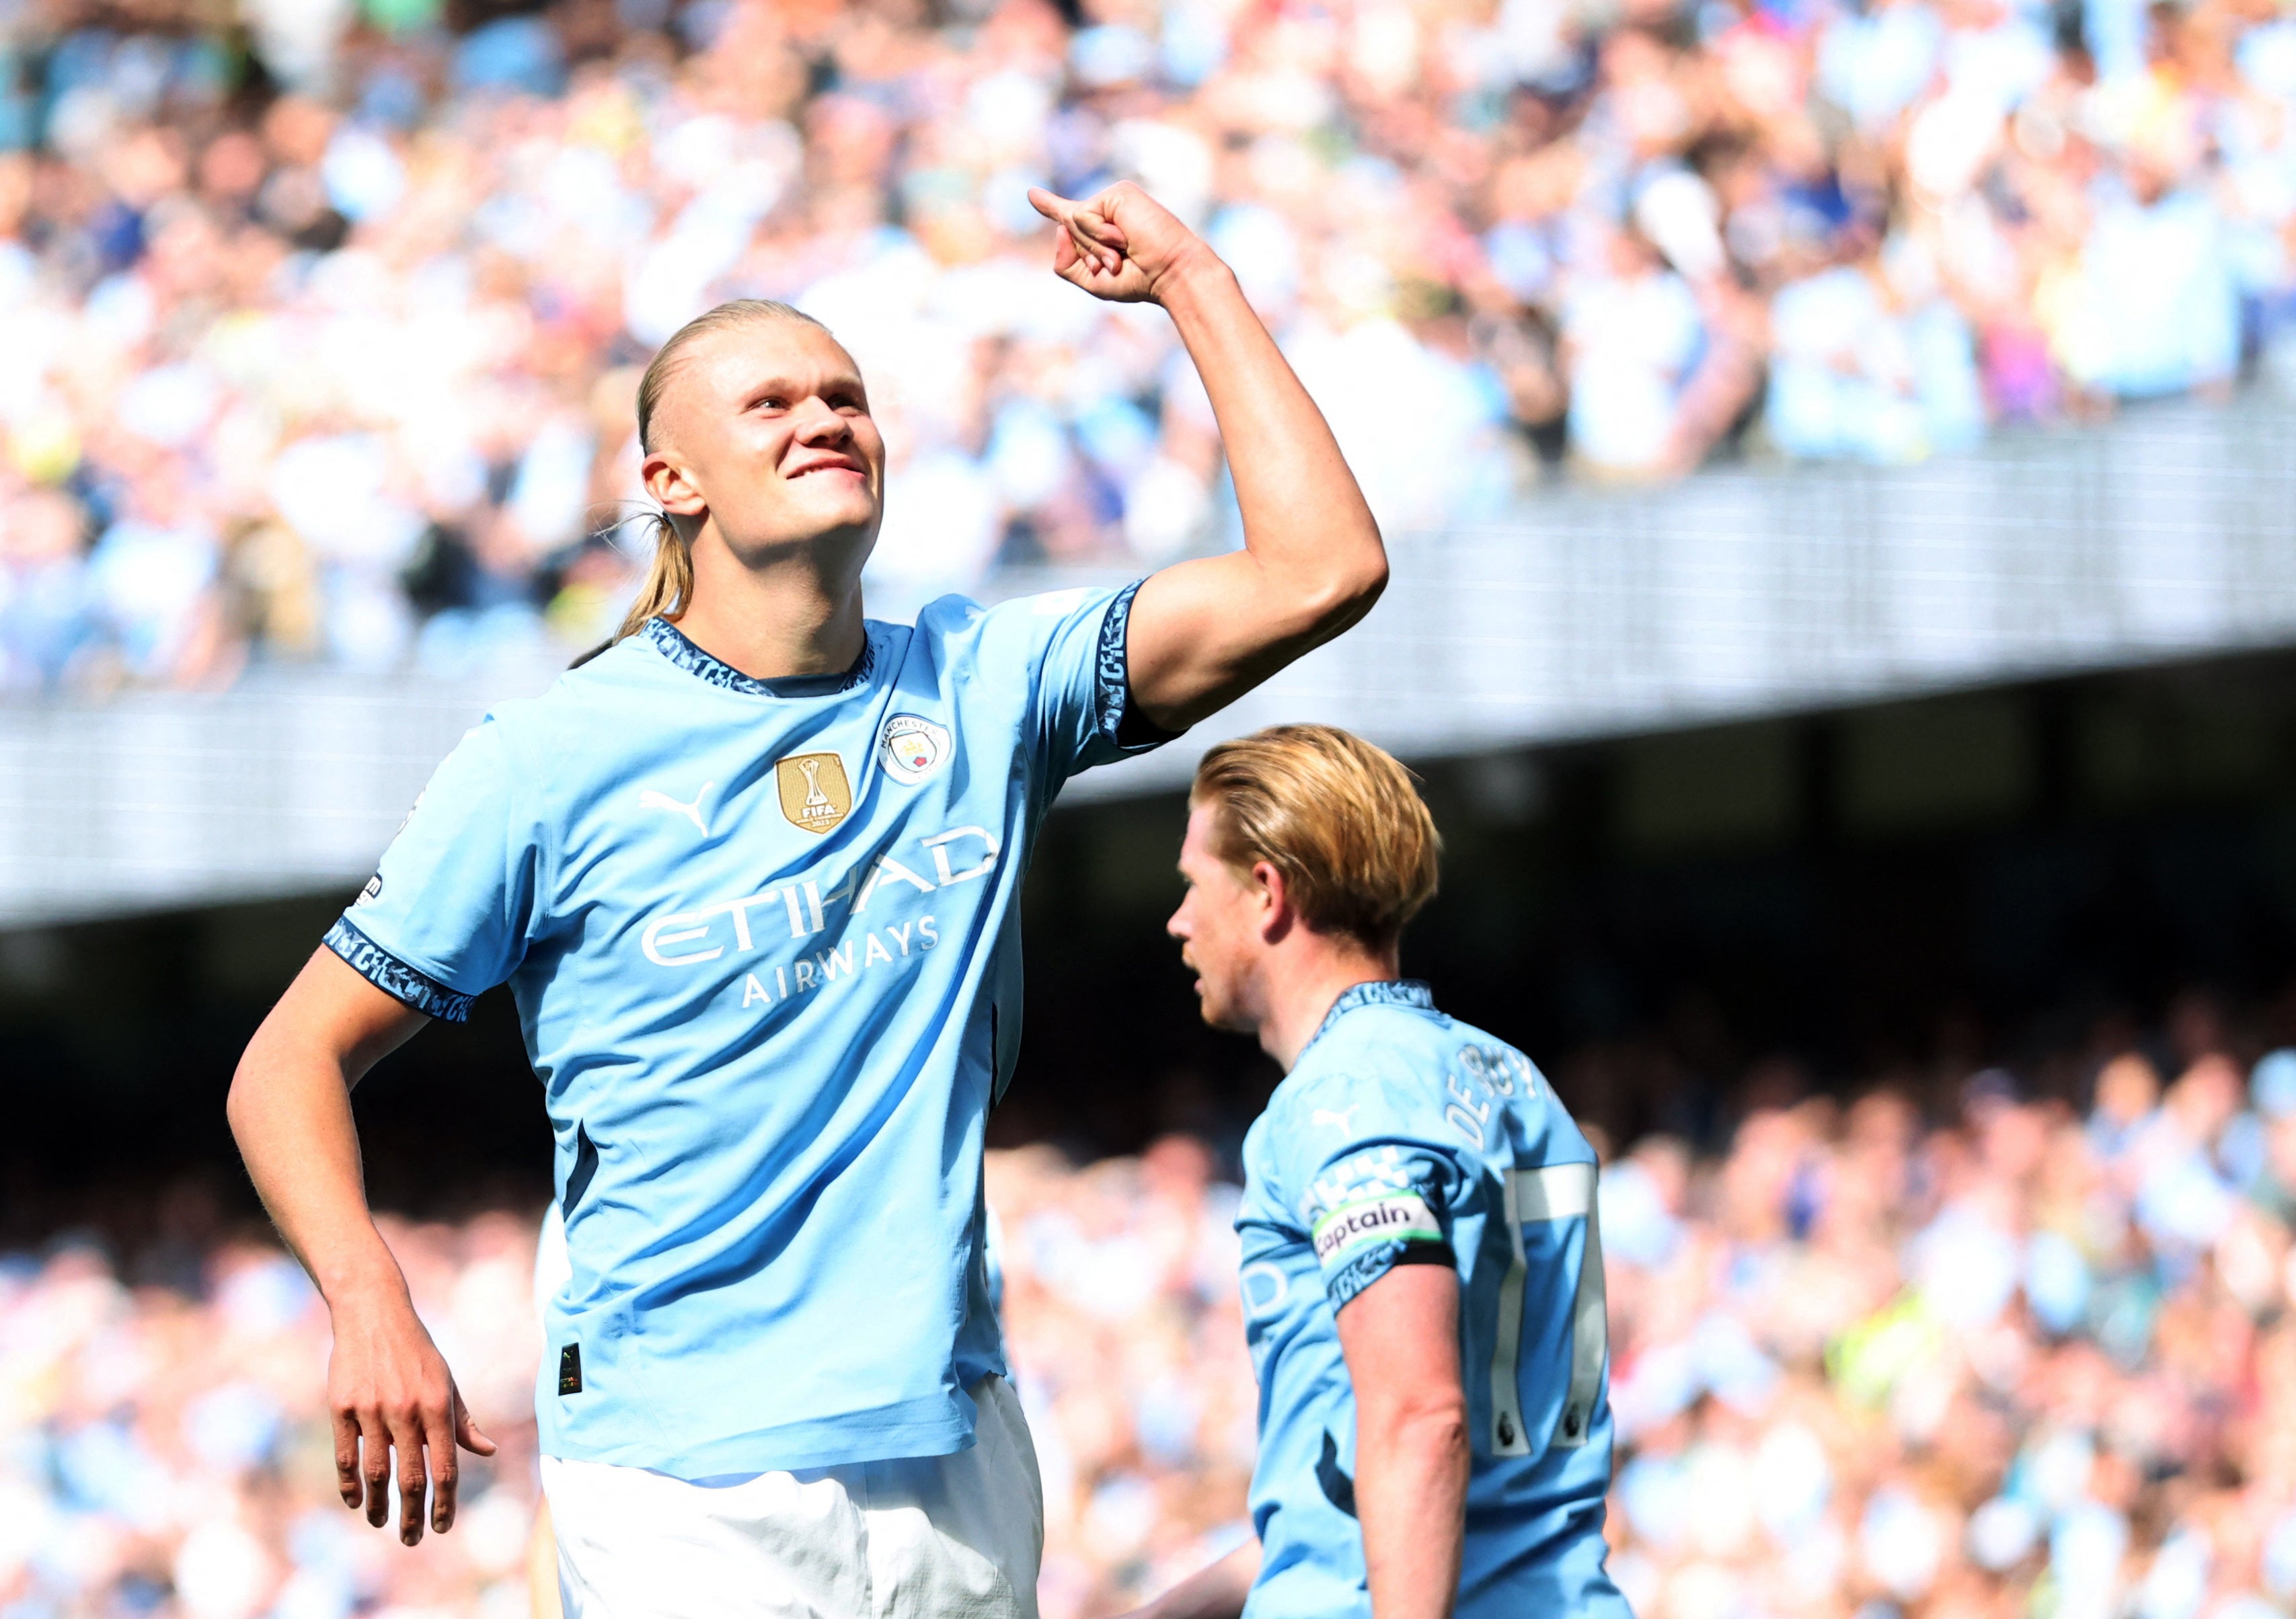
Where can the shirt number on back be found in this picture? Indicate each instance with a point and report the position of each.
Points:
(1556, 1192)
(1464, 1112)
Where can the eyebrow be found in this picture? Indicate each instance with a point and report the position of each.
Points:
(836, 383)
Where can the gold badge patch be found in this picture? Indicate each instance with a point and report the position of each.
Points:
(815, 796)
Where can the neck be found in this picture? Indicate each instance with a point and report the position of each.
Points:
(791, 612)
(1303, 981)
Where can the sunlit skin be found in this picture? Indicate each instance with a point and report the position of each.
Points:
(1260, 968)
(770, 466)
(1221, 920)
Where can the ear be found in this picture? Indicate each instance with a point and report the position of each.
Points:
(1275, 916)
(672, 488)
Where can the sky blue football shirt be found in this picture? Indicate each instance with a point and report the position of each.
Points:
(1401, 1137)
(764, 940)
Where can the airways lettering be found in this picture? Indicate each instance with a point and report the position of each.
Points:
(824, 968)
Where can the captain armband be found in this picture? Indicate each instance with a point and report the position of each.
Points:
(1362, 1240)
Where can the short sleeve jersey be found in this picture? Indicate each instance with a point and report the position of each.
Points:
(763, 938)
(1401, 1137)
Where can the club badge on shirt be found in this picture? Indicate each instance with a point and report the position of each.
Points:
(815, 794)
(911, 747)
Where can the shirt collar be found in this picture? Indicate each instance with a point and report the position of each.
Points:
(667, 639)
(1378, 992)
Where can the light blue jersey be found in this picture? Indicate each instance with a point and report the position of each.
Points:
(1401, 1137)
(764, 940)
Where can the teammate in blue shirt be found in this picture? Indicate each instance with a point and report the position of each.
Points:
(1422, 1282)
(751, 875)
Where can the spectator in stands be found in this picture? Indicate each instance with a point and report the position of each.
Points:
(1862, 1363)
(358, 286)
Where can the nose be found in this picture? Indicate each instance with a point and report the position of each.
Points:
(1177, 927)
(817, 423)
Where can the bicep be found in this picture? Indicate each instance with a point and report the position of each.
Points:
(1207, 631)
(1400, 1337)
(333, 1012)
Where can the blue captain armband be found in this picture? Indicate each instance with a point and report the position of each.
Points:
(394, 977)
(1360, 1241)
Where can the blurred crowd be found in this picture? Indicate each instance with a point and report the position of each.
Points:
(2003, 1358)
(320, 319)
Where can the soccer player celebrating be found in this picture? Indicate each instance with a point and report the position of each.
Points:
(1423, 1285)
(752, 875)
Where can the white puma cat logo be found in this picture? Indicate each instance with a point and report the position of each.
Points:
(1326, 1115)
(649, 798)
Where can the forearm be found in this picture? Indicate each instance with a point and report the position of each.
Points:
(1216, 1593)
(1411, 1498)
(1305, 524)
(290, 1113)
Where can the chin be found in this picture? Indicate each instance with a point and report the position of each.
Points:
(1227, 1017)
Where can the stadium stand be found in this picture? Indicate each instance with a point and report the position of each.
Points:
(1958, 1347)
(323, 322)
(1976, 321)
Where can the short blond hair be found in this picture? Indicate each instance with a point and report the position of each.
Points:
(1340, 819)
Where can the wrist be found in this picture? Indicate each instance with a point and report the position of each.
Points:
(1195, 276)
(360, 1282)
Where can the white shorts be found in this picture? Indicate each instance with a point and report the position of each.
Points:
(935, 1537)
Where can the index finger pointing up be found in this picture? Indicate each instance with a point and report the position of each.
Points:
(1097, 240)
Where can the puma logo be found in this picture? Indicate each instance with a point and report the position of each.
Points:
(649, 798)
(1338, 1118)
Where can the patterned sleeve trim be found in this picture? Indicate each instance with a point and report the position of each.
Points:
(1368, 1266)
(1116, 717)
(393, 976)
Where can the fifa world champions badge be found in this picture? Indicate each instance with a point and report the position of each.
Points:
(911, 747)
(815, 794)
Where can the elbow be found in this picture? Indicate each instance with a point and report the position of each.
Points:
(239, 1104)
(1427, 1424)
(254, 1092)
(1341, 600)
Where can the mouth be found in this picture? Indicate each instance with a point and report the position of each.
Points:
(850, 468)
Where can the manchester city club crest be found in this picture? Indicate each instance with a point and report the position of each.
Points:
(814, 792)
(912, 748)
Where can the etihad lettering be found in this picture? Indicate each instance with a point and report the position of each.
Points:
(704, 933)
(939, 846)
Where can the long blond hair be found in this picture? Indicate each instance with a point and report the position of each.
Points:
(669, 588)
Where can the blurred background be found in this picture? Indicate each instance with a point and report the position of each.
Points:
(1839, 460)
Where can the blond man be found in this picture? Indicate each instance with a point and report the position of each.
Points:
(1422, 1282)
(752, 877)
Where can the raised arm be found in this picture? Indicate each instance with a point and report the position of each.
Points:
(1205, 632)
(291, 1111)
(1400, 1337)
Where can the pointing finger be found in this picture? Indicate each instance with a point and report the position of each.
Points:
(1090, 236)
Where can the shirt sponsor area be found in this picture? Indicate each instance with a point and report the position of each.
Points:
(704, 933)
(848, 957)
(1399, 1217)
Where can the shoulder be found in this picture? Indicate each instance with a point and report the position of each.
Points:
(580, 718)
(1027, 625)
(1376, 1043)
(1376, 1073)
